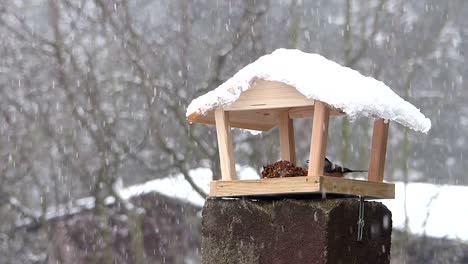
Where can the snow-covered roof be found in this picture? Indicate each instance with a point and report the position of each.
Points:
(316, 78)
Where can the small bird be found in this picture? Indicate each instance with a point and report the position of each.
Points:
(334, 170)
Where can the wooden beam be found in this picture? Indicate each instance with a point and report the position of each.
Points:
(259, 119)
(264, 94)
(226, 151)
(302, 185)
(378, 151)
(287, 144)
(265, 186)
(308, 111)
(318, 144)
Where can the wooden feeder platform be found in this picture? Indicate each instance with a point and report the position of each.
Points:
(302, 185)
(273, 104)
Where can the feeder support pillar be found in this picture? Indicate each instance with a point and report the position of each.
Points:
(286, 131)
(226, 150)
(378, 150)
(304, 231)
(318, 145)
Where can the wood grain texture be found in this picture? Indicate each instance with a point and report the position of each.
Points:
(286, 136)
(318, 145)
(302, 184)
(226, 152)
(308, 111)
(262, 120)
(265, 186)
(264, 94)
(258, 108)
(357, 187)
(378, 150)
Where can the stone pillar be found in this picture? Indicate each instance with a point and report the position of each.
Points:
(292, 231)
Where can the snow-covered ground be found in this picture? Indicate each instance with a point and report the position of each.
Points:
(436, 210)
(178, 187)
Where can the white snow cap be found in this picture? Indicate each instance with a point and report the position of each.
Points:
(320, 79)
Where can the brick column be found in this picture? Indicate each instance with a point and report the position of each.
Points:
(271, 231)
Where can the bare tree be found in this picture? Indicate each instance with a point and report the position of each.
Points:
(94, 91)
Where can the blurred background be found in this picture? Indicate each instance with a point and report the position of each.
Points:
(97, 161)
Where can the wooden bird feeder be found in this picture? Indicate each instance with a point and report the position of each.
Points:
(266, 104)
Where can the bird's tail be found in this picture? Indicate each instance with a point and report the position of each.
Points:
(346, 170)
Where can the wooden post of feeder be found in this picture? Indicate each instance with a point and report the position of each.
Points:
(286, 131)
(318, 144)
(378, 151)
(225, 148)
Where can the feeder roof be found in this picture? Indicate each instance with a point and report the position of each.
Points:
(314, 78)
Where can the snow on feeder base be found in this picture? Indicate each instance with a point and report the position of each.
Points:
(289, 84)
